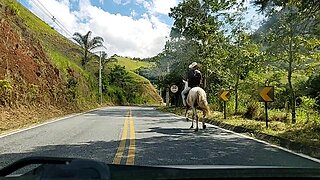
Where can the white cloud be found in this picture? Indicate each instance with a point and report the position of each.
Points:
(250, 15)
(158, 6)
(133, 13)
(117, 1)
(123, 35)
(146, 4)
(163, 6)
(122, 2)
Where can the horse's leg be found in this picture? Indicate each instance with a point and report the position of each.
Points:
(193, 114)
(203, 122)
(192, 121)
(186, 114)
(197, 118)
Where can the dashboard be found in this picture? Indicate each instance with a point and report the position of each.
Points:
(73, 168)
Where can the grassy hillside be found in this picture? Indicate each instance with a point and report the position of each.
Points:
(130, 64)
(144, 90)
(148, 91)
(40, 72)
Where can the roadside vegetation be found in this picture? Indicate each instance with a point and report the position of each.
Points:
(45, 75)
(301, 132)
(283, 52)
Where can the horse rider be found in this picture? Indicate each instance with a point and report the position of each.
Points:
(194, 78)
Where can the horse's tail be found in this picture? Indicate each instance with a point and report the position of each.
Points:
(203, 104)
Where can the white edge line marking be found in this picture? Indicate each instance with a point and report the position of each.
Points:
(261, 141)
(53, 120)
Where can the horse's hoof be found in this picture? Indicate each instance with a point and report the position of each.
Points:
(191, 127)
(204, 126)
(196, 130)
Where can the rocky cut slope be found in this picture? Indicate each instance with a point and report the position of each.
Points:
(41, 74)
(38, 75)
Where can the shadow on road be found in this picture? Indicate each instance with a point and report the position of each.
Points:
(108, 113)
(150, 112)
(144, 112)
(210, 147)
(174, 146)
(152, 116)
(97, 150)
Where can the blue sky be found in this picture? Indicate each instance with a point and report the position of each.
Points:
(136, 28)
(127, 8)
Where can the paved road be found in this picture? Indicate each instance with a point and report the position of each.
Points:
(142, 136)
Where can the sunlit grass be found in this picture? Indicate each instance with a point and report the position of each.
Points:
(63, 63)
(130, 64)
(303, 132)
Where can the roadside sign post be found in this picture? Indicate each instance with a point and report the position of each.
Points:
(224, 110)
(266, 94)
(266, 110)
(174, 89)
(224, 95)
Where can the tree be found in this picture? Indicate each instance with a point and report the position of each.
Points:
(243, 56)
(119, 76)
(291, 38)
(200, 23)
(306, 6)
(87, 44)
(105, 59)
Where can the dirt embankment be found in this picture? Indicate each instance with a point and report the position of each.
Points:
(30, 86)
(40, 72)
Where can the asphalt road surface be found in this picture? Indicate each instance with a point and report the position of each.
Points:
(142, 136)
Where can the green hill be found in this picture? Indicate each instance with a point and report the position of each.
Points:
(130, 64)
(145, 93)
(41, 74)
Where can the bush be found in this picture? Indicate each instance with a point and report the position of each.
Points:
(116, 94)
(119, 76)
(215, 104)
(32, 93)
(278, 115)
(313, 89)
(253, 111)
(72, 89)
(5, 92)
(307, 107)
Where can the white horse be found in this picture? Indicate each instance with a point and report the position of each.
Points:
(197, 98)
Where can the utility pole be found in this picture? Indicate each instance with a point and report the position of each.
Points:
(167, 91)
(168, 69)
(100, 81)
(100, 71)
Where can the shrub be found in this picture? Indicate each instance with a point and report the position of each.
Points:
(32, 93)
(278, 115)
(5, 92)
(253, 111)
(72, 88)
(307, 106)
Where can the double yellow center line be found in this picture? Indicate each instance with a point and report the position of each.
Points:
(122, 145)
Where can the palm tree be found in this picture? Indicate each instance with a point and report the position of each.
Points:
(87, 44)
(105, 59)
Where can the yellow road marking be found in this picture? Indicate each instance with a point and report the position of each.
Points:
(122, 145)
(117, 158)
(132, 146)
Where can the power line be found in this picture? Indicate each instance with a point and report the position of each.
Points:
(44, 8)
(53, 18)
(46, 12)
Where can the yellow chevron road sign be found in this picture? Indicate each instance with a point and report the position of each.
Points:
(266, 94)
(224, 95)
